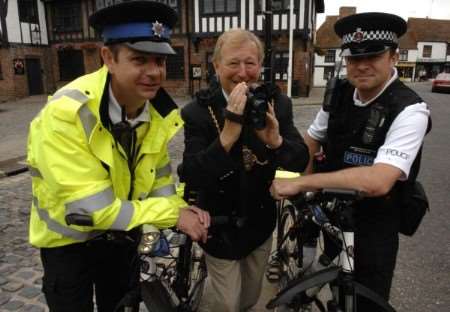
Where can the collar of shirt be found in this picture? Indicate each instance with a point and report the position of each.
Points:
(115, 111)
(360, 103)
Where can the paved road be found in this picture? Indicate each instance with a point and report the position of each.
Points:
(421, 283)
(422, 276)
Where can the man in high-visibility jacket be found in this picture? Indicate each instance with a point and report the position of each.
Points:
(100, 168)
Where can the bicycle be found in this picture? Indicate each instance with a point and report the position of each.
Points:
(340, 230)
(295, 244)
(172, 269)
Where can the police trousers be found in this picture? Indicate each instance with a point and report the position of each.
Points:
(72, 272)
(376, 248)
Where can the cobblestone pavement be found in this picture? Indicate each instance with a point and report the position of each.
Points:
(20, 266)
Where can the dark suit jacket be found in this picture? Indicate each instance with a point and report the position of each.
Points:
(223, 186)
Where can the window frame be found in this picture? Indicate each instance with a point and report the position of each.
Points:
(68, 73)
(284, 6)
(226, 6)
(177, 73)
(31, 9)
(330, 53)
(284, 62)
(57, 17)
(430, 52)
(403, 55)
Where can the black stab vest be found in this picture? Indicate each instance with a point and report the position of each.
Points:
(354, 136)
(356, 133)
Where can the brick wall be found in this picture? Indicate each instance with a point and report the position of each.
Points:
(14, 86)
(92, 62)
(179, 87)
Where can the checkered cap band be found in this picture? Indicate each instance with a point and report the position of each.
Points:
(371, 35)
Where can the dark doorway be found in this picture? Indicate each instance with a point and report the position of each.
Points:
(34, 74)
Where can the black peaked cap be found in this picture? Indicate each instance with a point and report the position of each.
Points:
(144, 26)
(369, 33)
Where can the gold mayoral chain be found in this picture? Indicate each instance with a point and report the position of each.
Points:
(248, 157)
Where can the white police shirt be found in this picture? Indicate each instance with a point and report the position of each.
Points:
(403, 139)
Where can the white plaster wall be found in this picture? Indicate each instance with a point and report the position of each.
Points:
(42, 24)
(318, 77)
(12, 22)
(438, 50)
(413, 55)
(20, 32)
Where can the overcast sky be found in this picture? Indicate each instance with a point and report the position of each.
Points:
(439, 9)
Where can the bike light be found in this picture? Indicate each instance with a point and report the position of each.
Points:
(148, 242)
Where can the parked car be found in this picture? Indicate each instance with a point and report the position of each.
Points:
(441, 83)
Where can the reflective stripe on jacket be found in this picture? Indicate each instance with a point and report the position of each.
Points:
(68, 153)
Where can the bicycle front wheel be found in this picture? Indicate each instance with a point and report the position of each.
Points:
(289, 247)
(290, 254)
(156, 297)
(198, 276)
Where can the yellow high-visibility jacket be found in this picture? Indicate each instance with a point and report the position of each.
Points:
(77, 167)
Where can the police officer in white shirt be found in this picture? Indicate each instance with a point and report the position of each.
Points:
(372, 136)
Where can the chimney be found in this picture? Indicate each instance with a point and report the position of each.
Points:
(346, 11)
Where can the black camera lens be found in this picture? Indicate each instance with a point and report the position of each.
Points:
(257, 107)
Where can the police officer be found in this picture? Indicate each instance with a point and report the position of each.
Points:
(372, 137)
(100, 167)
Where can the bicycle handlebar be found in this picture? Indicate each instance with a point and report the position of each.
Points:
(316, 206)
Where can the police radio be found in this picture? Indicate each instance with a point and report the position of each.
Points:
(332, 90)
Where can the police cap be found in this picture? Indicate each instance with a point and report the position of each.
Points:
(369, 33)
(144, 26)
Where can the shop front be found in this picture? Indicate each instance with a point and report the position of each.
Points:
(406, 71)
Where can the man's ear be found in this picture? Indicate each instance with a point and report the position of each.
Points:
(107, 57)
(395, 57)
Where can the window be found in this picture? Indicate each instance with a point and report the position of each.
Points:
(71, 64)
(280, 65)
(220, 6)
(100, 4)
(277, 5)
(403, 55)
(175, 65)
(67, 16)
(427, 51)
(328, 72)
(172, 3)
(28, 12)
(330, 56)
